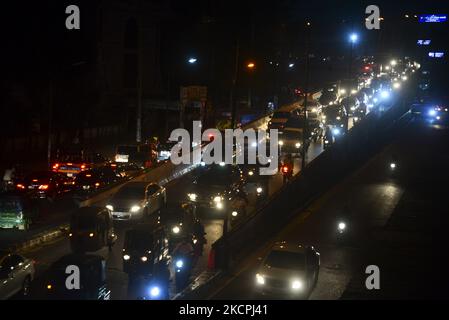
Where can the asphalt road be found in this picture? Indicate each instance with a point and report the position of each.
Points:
(397, 222)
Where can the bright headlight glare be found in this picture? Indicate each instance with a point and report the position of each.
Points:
(234, 213)
(192, 196)
(176, 229)
(109, 207)
(217, 199)
(297, 145)
(260, 279)
(297, 285)
(135, 208)
(219, 205)
(342, 226)
(144, 259)
(155, 292)
(250, 173)
(259, 190)
(281, 143)
(126, 257)
(179, 264)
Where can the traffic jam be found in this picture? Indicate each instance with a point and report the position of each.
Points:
(160, 230)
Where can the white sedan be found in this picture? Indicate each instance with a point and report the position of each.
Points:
(16, 274)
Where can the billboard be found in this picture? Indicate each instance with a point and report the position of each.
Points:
(432, 18)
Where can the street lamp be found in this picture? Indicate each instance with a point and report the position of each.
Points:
(353, 37)
(291, 65)
(192, 60)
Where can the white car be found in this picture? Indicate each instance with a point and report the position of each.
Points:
(137, 199)
(16, 274)
(288, 270)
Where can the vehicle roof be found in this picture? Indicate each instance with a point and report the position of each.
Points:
(288, 247)
(137, 184)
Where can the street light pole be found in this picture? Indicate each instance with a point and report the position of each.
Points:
(306, 91)
(233, 106)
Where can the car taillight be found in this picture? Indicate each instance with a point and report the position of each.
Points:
(285, 169)
(20, 186)
(97, 184)
(43, 187)
(83, 167)
(56, 166)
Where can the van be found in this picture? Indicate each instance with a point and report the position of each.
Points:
(91, 229)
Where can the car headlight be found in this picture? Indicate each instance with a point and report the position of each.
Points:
(281, 143)
(192, 196)
(259, 190)
(219, 205)
(297, 145)
(432, 113)
(109, 207)
(126, 257)
(336, 131)
(179, 264)
(250, 173)
(314, 110)
(217, 199)
(176, 229)
(297, 284)
(338, 118)
(155, 292)
(260, 279)
(135, 208)
(234, 213)
(144, 259)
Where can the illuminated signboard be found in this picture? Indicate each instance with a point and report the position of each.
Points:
(436, 54)
(423, 42)
(432, 18)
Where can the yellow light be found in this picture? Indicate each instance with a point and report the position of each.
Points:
(49, 287)
(251, 65)
(91, 234)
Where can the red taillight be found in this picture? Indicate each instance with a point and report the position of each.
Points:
(43, 187)
(83, 167)
(285, 169)
(20, 186)
(70, 164)
(56, 166)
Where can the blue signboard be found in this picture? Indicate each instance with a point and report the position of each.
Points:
(431, 18)
(423, 42)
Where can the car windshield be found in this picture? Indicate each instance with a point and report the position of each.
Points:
(85, 221)
(292, 135)
(281, 115)
(217, 177)
(139, 240)
(166, 146)
(126, 150)
(10, 205)
(130, 192)
(43, 175)
(285, 260)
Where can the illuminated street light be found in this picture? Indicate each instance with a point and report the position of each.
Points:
(192, 60)
(291, 65)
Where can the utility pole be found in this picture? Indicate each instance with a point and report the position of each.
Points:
(50, 115)
(232, 103)
(140, 76)
(306, 92)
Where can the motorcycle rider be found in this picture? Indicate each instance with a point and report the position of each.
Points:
(287, 167)
(8, 178)
(199, 233)
(183, 261)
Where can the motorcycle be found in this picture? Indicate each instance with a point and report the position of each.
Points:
(183, 268)
(287, 172)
